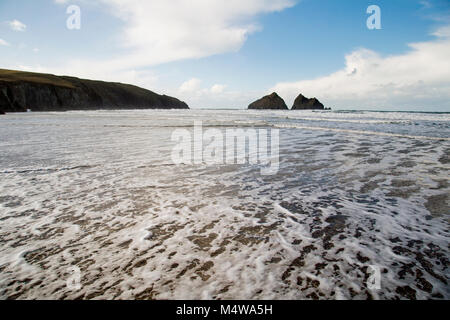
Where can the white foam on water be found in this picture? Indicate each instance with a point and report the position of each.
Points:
(387, 134)
(108, 200)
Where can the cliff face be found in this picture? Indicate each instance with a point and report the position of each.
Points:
(20, 91)
(303, 103)
(270, 102)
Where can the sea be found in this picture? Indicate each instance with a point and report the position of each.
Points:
(93, 206)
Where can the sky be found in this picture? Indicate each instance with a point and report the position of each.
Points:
(228, 53)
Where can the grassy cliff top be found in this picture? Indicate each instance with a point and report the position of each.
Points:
(41, 78)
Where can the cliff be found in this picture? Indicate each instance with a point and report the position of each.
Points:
(20, 91)
(303, 103)
(270, 102)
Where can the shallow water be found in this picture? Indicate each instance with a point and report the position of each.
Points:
(99, 191)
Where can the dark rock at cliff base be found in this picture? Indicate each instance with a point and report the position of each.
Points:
(303, 103)
(22, 91)
(2, 112)
(270, 102)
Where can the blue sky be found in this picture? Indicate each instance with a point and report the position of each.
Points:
(224, 54)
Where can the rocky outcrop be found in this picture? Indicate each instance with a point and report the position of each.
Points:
(270, 102)
(303, 103)
(22, 91)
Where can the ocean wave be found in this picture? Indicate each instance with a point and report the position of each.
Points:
(359, 132)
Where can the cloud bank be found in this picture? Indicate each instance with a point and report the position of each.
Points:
(217, 96)
(160, 31)
(411, 81)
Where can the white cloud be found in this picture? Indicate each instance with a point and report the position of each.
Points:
(29, 68)
(216, 96)
(443, 32)
(412, 80)
(193, 87)
(161, 31)
(4, 43)
(190, 86)
(218, 88)
(16, 25)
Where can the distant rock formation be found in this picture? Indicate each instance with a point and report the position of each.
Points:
(303, 103)
(270, 102)
(22, 91)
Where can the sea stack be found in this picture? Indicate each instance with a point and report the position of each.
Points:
(303, 103)
(22, 91)
(270, 102)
